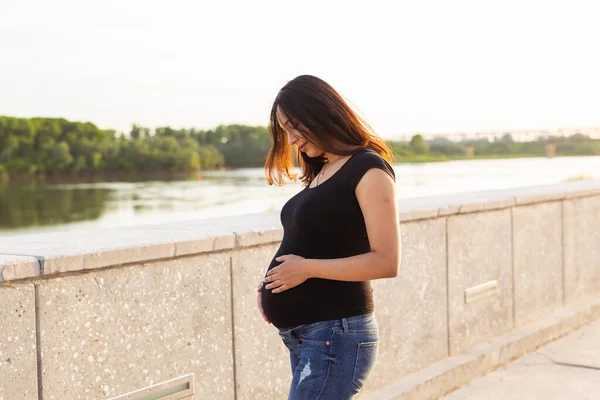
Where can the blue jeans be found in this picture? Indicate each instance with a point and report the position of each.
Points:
(331, 360)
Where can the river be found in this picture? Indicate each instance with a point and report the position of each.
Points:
(34, 207)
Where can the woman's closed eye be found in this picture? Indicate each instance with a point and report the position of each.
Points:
(295, 136)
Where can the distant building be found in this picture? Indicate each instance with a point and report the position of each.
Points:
(550, 149)
(470, 150)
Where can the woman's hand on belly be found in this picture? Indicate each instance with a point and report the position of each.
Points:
(292, 271)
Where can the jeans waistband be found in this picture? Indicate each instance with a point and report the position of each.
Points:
(293, 333)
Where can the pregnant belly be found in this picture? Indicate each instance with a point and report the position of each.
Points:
(283, 307)
(316, 300)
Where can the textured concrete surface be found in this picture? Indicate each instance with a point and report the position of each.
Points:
(262, 361)
(18, 267)
(568, 368)
(564, 190)
(582, 248)
(444, 376)
(108, 333)
(538, 282)
(579, 348)
(455, 203)
(115, 246)
(239, 231)
(65, 251)
(479, 250)
(411, 308)
(463, 203)
(18, 359)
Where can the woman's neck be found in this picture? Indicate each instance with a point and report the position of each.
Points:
(332, 157)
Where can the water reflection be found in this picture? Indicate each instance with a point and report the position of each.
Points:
(34, 207)
(27, 204)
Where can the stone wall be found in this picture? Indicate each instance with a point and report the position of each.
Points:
(99, 314)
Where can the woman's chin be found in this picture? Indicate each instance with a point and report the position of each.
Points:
(311, 153)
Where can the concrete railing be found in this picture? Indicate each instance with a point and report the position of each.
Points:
(102, 313)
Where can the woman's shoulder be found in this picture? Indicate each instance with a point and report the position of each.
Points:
(363, 161)
(366, 154)
(369, 158)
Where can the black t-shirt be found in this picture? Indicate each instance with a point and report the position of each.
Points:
(325, 222)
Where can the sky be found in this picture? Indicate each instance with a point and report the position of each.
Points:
(407, 66)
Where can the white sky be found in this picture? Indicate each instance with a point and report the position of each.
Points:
(409, 66)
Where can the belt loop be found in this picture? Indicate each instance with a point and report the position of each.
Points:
(345, 325)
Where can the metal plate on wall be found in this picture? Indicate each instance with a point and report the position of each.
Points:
(179, 388)
(482, 291)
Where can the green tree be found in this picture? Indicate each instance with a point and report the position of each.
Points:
(3, 174)
(418, 144)
(507, 138)
(56, 157)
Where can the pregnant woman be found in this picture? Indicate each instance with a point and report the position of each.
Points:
(340, 232)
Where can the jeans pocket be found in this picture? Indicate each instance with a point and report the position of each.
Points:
(366, 356)
(320, 338)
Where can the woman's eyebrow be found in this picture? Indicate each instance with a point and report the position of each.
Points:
(288, 124)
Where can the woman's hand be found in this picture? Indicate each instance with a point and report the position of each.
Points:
(292, 271)
(259, 301)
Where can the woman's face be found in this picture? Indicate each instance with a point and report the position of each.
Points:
(295, 138)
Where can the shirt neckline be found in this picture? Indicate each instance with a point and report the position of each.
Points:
(336, 172)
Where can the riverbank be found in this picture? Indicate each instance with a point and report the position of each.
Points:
(138, 176)
(120, 176)
(441, 158)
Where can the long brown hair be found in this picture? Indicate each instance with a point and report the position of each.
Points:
(323, 117)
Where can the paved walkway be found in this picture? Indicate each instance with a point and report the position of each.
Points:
(566, 369)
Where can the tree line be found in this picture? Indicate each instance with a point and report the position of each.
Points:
(53, 146)
(440, 149)
(48, 146)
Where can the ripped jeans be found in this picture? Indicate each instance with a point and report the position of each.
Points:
(331, 360)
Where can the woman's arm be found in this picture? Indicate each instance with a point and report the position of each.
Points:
(376, 194)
